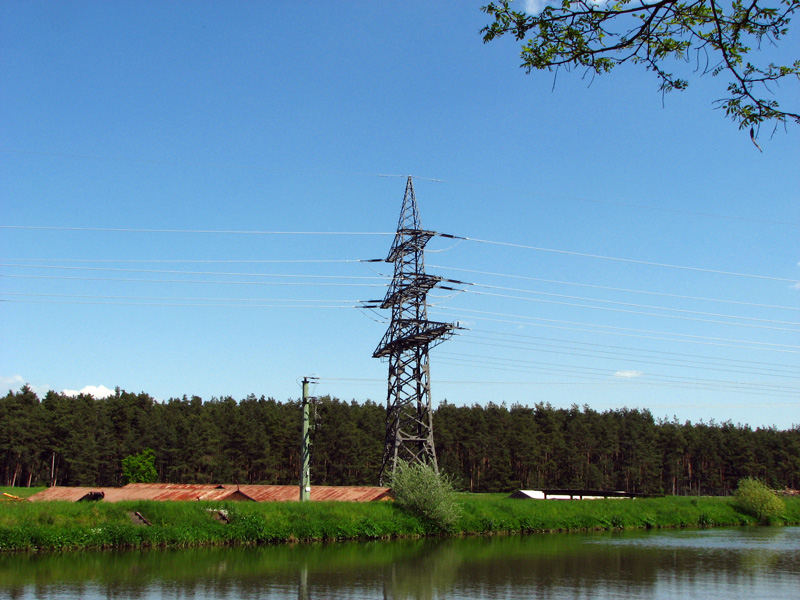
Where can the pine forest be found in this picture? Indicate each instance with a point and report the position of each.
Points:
(82, 441)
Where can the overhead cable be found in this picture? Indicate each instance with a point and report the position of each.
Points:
(623, 331)
(615, 356)
(648, 314)
(692, 359)
(615, 289)
(628, 260)
(215, 231)
(192, 281)
(172, 272)
(361, 173)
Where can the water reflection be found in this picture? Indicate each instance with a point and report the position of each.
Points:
(747, 563)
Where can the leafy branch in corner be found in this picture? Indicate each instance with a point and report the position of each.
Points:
(600, 34)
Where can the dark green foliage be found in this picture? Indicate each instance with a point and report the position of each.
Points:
(62, 440)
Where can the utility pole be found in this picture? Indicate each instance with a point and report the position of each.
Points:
(409, 418)
(305, 453)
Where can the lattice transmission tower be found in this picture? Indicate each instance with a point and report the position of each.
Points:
(405, 345)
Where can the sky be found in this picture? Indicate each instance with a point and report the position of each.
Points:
(189, 190)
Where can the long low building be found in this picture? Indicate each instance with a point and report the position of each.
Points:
(570, 494)
(182, 492)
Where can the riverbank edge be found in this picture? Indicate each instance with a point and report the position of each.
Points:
(60, 526)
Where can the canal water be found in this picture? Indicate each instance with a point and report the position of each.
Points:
(746, 562)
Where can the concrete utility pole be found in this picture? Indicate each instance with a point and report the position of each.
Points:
(409, 419)
(305, 453)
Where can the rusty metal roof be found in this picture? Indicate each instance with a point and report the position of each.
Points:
(272, 493)
(174, 492)
(178, 492)
(330, 493)
(320, 493)
(66, 494)
(190, 491)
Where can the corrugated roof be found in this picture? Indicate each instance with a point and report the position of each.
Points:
(319, 493)
(190, 491)
(350, 494)
(179, 492)
(66, 494)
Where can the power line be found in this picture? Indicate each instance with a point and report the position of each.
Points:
(517, 365)
(622, 204)
(361, 173)
(215, 231)
(171, 304)
(691, 359)
(694, 312)
(172, 272)
(713, 341)
(507, 244)
(626, 260)
(638, 359)
(353, 303)
(633, 312)
(615, 289)
(186, 261)
(189, 163)
(597, 383)
(683, 335)
(192, 281)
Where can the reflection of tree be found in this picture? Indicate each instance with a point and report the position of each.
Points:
(637, 564)
(753, 563)
(426, 575)
(550, 564)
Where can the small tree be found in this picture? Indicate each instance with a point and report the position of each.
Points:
(755, 498)
(140, 468)
(420, 489)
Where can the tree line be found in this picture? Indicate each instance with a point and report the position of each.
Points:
(81, 440)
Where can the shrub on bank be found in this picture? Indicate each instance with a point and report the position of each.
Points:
(755, 498)
(420, 489)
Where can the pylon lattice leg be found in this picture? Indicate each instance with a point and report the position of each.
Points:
(409, 417)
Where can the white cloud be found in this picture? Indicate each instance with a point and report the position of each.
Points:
(796, 286)
(534, 7)
(14, 382)
(98, 391)
(628, 374)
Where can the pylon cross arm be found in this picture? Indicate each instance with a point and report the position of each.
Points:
(415, 288)
(408, 241)
(431, 332)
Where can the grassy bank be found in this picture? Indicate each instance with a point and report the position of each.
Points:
(61, 526)
(20, 492)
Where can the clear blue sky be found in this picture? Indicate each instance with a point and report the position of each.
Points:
(281, 117)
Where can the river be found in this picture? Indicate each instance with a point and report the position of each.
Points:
(745, 562)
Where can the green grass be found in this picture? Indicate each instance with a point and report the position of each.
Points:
(84, 525)
(20, 492)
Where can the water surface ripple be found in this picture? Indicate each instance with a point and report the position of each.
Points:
(749, 563)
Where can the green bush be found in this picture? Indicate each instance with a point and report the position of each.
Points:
(755, 498)
(140, 468)
(420, 489)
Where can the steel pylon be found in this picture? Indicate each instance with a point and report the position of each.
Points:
(405, 345)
